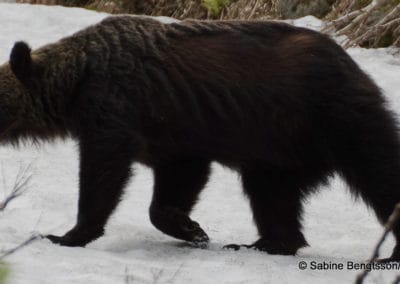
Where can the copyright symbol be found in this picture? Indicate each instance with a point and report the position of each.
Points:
(302, 265)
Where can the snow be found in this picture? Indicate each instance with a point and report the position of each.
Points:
(337, 228)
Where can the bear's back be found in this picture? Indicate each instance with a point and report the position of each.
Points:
(223, 88)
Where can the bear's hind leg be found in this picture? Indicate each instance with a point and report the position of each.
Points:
(374, 174)
(369, 161)
(177, 185)
(275, 199)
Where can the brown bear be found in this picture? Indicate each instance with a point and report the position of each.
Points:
(284, 106)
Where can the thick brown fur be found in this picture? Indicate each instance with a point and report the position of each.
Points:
(284, 106)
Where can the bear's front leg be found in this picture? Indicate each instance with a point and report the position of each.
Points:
(104, 171)
(176, 188)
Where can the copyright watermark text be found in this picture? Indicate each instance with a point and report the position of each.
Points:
(348, 265)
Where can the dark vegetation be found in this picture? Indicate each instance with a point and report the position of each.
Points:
(366, 23)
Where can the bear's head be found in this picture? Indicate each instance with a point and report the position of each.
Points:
(35, 88)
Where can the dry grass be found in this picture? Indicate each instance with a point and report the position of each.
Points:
(369, 24)
(364, 22)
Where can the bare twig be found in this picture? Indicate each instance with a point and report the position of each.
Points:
(397, 280)
(378, 29)
(253, 10)
(361, 18)
(20, 185)
(129, 279)
(157, 274)
(393, 219)
(22, 245)
(374, 25)
(342, 21)
(177, 271)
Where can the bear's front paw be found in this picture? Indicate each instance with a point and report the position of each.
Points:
(75, 237)
(68, 241)
(61, 240)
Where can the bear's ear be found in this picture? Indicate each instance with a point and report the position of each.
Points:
(21, 61)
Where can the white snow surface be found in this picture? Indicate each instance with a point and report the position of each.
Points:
(337, 227)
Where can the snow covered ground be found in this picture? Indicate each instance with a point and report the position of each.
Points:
(337, 228)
